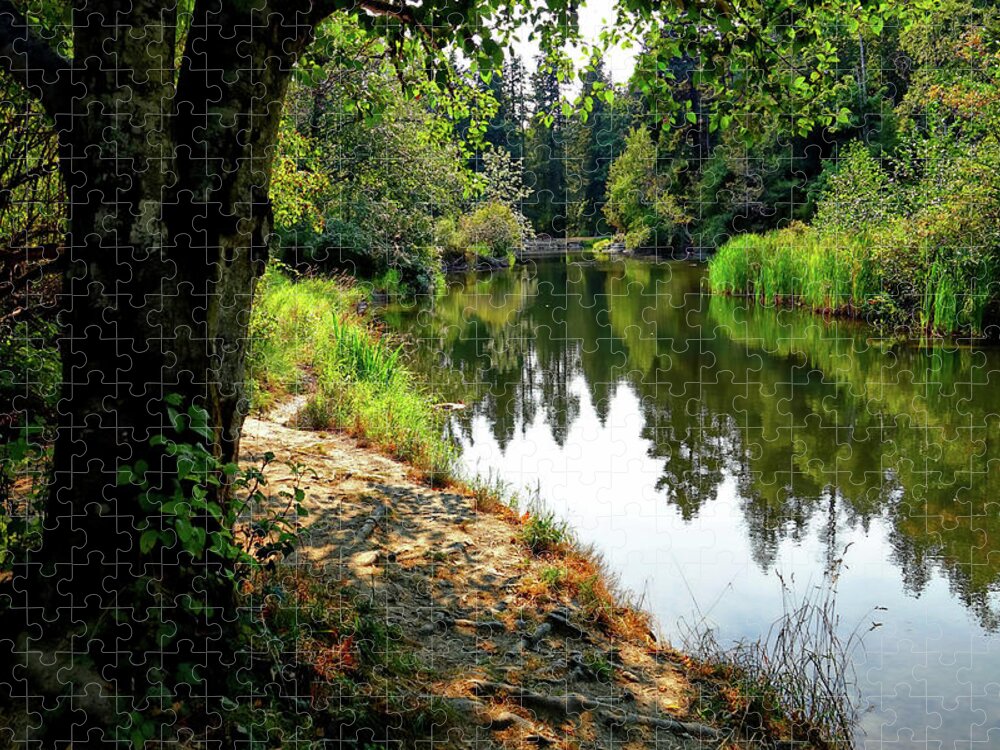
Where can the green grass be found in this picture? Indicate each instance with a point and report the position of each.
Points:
(884, 276)
(600, 665)
(553, 575)
(490, 491)
(542, 531)
(306, 336)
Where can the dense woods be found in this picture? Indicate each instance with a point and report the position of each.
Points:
(168, 170)
(894, 193)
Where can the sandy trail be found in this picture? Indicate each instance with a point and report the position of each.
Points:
(512, 663)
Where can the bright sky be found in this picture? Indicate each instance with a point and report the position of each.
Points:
(595, 15)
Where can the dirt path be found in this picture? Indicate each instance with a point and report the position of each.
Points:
(516, 663)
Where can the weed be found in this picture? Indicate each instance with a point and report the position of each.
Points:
(798, 679)
(602, 667)
(553, 575)
(542, 531)
(491, 492)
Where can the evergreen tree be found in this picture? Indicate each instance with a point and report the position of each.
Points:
(506, 128)
(546, 153)
(595, 136)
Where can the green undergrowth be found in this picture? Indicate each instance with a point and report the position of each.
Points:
(307, 336)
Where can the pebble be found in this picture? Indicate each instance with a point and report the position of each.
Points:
(367, 558)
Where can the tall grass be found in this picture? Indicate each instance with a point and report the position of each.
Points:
(796, 266)
(306, 335)
(798, 680)
(884, 276)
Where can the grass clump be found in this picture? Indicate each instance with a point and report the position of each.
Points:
(564, 572)
(541, 531)
(795, 683)
(492, 494)
(553, 575)
(880, 276)
(602, 667)
(306, 332)
(797, 266)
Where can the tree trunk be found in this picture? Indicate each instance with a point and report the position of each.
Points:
(167, 182)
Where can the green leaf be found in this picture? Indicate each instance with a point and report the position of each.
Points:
(692, 118)
(200, 422)
(176, 418)
(184, 530)
(148, 540)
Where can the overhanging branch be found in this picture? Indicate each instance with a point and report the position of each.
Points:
(31, 61)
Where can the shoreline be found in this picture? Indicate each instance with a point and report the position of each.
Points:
(522, 638)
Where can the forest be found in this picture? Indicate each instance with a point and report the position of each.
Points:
(259, 259)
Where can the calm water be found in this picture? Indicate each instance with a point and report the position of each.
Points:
(706, 447)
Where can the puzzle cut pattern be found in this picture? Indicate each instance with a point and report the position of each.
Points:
(215, 537)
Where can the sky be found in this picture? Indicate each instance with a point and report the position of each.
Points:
(594, 16)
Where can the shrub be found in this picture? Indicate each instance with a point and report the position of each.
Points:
(914, 241)
(493, 229)
(858, 194)
(542, 531)
(640, 202)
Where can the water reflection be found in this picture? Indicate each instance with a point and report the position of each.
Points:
(820, 427)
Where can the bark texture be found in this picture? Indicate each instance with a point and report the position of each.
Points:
(166, 157)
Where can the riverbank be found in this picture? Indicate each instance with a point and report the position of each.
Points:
(469, 616)
(309, 335)
(488, 620)
(482, 639)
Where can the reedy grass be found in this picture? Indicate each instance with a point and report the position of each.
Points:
(307, 329)
(798, 680)
(883, 276)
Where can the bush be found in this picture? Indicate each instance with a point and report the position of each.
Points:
(372, 244)
(858, 193)
(640, 202)
(493, 228)
(600, 248)
(910, 240)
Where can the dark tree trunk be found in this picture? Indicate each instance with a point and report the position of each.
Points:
(167, 169)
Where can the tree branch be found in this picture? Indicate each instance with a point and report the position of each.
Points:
(31, 61)
(323, 8)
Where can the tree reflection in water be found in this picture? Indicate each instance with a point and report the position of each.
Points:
(819, 423)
